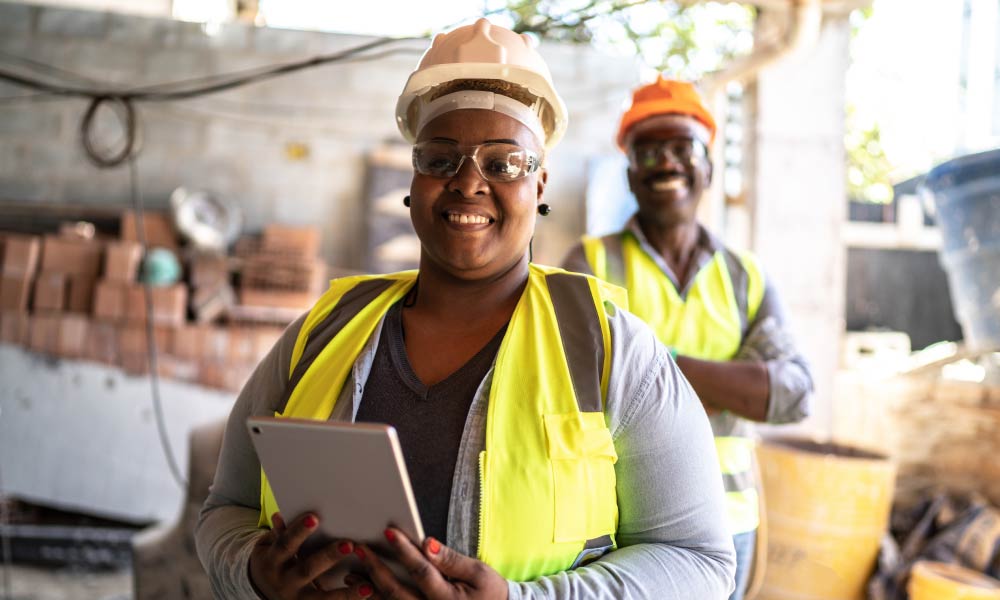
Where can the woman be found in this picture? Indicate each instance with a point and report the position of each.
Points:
(549, 439)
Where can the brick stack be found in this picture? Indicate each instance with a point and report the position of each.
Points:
(20, 262)
(283, 271)
(69, 297)
(63, 294)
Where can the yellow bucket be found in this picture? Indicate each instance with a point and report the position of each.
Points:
(940, 581)
(827, 508)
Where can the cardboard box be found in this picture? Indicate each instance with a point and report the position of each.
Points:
(169, 305)
(109, 301)
(73, 332)
(51, 292)
(157, 226)
(15, 328)
(44, 333)
(15, 291)
(20, 255)
(102, 343)
(121, 261)
(72, 256)
(302, 242)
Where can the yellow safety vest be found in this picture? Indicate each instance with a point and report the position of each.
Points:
(548, 499)
(709, 323)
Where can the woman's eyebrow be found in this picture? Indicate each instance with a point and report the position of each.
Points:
(443, 139)
(503, 141)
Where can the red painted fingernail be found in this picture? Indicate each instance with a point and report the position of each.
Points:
(434, 546)
(310, 521)
(360, 553)
(390, 535)
(344, 548)
(365, 591)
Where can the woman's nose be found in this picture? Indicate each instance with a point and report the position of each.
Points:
(468, 181)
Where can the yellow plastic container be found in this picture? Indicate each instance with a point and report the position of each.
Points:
(827, 508)
(940, 581)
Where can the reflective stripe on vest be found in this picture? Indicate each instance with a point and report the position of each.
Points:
(708, 323)
(548, 498)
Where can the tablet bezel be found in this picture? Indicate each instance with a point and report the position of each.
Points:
(296, 456)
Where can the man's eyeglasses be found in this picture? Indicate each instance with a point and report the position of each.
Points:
(495, 161)
(682, 150)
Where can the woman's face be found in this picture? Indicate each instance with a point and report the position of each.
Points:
(499, 217)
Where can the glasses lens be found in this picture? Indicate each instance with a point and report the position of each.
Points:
(438, 159)
(505, 162)
(496, 162)
(682, 150)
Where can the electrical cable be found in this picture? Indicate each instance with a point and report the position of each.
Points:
(5, 552)
(178, 90)
(54, 70)
(210, 84)
(151, 349)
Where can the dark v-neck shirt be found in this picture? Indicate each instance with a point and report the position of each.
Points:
(428, 420)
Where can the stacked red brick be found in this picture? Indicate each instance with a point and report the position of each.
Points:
(17, 277)
(74, 298)
(284, 271)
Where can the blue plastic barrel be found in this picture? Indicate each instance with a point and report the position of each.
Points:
(966, 194)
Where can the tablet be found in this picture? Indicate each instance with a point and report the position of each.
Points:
(351, 475)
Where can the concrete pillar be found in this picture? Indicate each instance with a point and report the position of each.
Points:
(797, 196)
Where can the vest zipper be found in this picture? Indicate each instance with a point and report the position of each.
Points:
(482, 503)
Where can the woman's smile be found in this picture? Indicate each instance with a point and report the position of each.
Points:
(467, 220)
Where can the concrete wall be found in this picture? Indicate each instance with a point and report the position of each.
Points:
(83, 437)
(798, 197)
(247, 144)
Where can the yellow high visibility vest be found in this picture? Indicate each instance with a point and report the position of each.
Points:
(708, 323)
(547, 477)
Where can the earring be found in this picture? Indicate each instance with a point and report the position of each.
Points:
(406, 201)
(544, 209)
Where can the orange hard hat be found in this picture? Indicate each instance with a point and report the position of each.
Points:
(663, 97)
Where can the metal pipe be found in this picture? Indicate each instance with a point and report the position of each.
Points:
(805, 18)
(800, 35)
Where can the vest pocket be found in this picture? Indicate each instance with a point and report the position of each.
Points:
(582, 456)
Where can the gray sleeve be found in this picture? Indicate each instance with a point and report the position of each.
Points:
(576, 260)
(227, 526)
(672, 542)
(790, 379)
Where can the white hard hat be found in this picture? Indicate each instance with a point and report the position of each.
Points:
(482, 51)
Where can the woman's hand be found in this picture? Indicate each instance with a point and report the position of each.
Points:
(439, 572)
(278, 573)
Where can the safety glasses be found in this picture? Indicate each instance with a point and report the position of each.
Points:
(682, 150)
(496, 162)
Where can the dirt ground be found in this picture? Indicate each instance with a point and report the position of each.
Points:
(62, 583)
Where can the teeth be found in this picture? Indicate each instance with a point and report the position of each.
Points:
(467, 219)
(672, 183)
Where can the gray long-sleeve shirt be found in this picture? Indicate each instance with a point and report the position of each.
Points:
(672, 538)
(768, 338)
